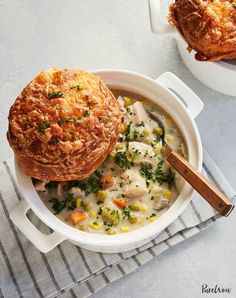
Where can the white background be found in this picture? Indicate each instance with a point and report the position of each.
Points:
(90, 34)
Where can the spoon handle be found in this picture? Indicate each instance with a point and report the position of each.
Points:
(207, 190)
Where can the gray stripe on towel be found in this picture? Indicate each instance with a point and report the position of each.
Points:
(9, 267)
(20, 246)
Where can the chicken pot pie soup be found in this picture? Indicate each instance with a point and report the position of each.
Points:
(134, 185)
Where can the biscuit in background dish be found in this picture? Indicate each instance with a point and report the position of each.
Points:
(63, 125)
(209, 27)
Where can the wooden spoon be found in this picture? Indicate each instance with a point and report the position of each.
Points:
(206, 189)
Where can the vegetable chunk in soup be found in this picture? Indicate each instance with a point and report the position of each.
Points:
(133, 187)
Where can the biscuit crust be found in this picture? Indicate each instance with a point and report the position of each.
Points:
(63, 125)
(209, 27)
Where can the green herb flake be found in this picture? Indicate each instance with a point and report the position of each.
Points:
(60, 121)
(90, 185)
(141, 124)
(161, 177)
(146, 171)
(53, 141)
(78, 87)
(126, 213)
(68, 119)
(43, 126)
(128, 134)
(103, 118)
(73, 136)
(51, 185)
(57, 205)
(56, 94)
(121, 160)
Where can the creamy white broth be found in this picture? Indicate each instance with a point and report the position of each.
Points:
(133, 187)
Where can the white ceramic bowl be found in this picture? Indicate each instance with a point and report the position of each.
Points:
(219, 76)
(183, 114)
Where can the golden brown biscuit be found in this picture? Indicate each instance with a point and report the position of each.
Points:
(63, 125)
(208, 26)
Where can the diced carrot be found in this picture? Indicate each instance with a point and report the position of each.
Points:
(107, 182)
(120, 202)
(76, 217)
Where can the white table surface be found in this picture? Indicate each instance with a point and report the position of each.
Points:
(89, 34)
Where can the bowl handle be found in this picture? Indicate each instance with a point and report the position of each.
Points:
(43, 242)
(156, 20)
(184, 93)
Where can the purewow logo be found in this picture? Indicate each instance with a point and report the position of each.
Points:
(215, 289)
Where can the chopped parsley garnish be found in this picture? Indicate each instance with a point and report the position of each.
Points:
(78, 87)
(56, 94)
(138, 134)
(68, 197)
(59, 205)
(73, 136)
(91, 185)
(107, 225)
(71, 183)
(128, 133)
(121, 160)
(87, 113)
(51, 185)
(162, 177)
(156, 140)
(60, 121)
(141, 124)
(103, 118)
(126, 213)
(146, 171)
(43, 126)
(128, 110)
(68, 119)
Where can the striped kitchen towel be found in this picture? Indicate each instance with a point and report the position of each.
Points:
(69, 271)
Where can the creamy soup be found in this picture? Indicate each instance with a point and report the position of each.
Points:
(133, 187)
